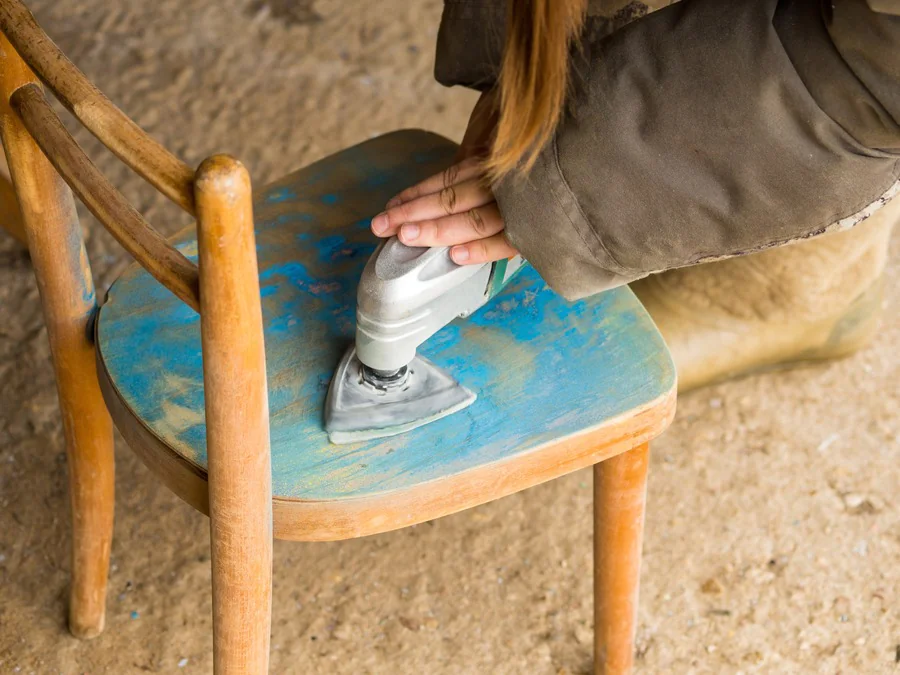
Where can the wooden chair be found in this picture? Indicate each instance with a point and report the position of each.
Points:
(561, 386)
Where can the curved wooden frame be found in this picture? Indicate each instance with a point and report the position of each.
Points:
(121, 219)
(98, 114)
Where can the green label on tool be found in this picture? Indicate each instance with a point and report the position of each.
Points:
(503, 271)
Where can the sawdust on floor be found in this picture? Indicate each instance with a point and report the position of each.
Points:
(773, 536)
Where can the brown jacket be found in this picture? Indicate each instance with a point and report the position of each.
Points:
(707, 129)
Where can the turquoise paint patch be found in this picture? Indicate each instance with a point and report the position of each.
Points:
(543, 368)
(76, 257)
(280, 195)
(266, 291)
(337, 249)
(375, 181)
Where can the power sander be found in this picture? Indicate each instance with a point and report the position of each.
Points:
(406, 294)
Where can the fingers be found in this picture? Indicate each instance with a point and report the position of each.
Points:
(482, 251)
(452, 175)
(454, 208)
(478, 223)
(448, 201)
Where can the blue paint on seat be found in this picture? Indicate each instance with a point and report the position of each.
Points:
(543, 368)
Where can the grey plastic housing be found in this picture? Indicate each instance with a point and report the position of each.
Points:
(407, 294)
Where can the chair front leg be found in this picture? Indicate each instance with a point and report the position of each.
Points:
(237, 419)
(620, 489)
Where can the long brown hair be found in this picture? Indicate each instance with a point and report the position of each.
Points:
(534, 79)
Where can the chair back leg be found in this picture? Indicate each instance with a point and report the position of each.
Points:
(69, 303)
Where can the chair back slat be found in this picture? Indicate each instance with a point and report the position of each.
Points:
(149, 248)
(168, 174)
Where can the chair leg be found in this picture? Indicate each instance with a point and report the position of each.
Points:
(67, 295)
(63, 274)
(237, 419)
(620, 488)
(89, 451)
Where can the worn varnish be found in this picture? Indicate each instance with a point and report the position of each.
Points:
(120, 218)
(237, 412)
(64, 279)
(172, 177)
(561, 385)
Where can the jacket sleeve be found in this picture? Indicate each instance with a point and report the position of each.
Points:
(711, 129)
(470, 37)
(470, 43)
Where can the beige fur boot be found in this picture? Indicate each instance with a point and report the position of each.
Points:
(816, 299)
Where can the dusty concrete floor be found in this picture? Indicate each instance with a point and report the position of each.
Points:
(773, 536)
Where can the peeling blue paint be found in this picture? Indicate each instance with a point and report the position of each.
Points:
(543, 368)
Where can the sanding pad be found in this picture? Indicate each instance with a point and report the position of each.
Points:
(355, 410)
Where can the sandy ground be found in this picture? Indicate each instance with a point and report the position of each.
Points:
(773, 536)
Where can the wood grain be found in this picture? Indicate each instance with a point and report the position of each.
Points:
(560, 385)
(620, 495)
(237, 413)
(110, 125)
(67, 295)
(129, 228)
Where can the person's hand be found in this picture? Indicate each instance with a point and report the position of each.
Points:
(455, 208)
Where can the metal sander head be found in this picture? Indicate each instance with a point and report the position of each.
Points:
(405, 295)
(364, 404)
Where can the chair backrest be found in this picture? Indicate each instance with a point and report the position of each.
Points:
(46, 166)
(33, 51)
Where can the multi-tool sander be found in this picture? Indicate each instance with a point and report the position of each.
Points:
(405, 295)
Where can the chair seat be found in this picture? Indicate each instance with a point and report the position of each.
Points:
(560, 385)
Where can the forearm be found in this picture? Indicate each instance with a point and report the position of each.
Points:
(708, 130)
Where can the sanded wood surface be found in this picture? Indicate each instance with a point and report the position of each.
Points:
(67, 293)
(560, 385)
